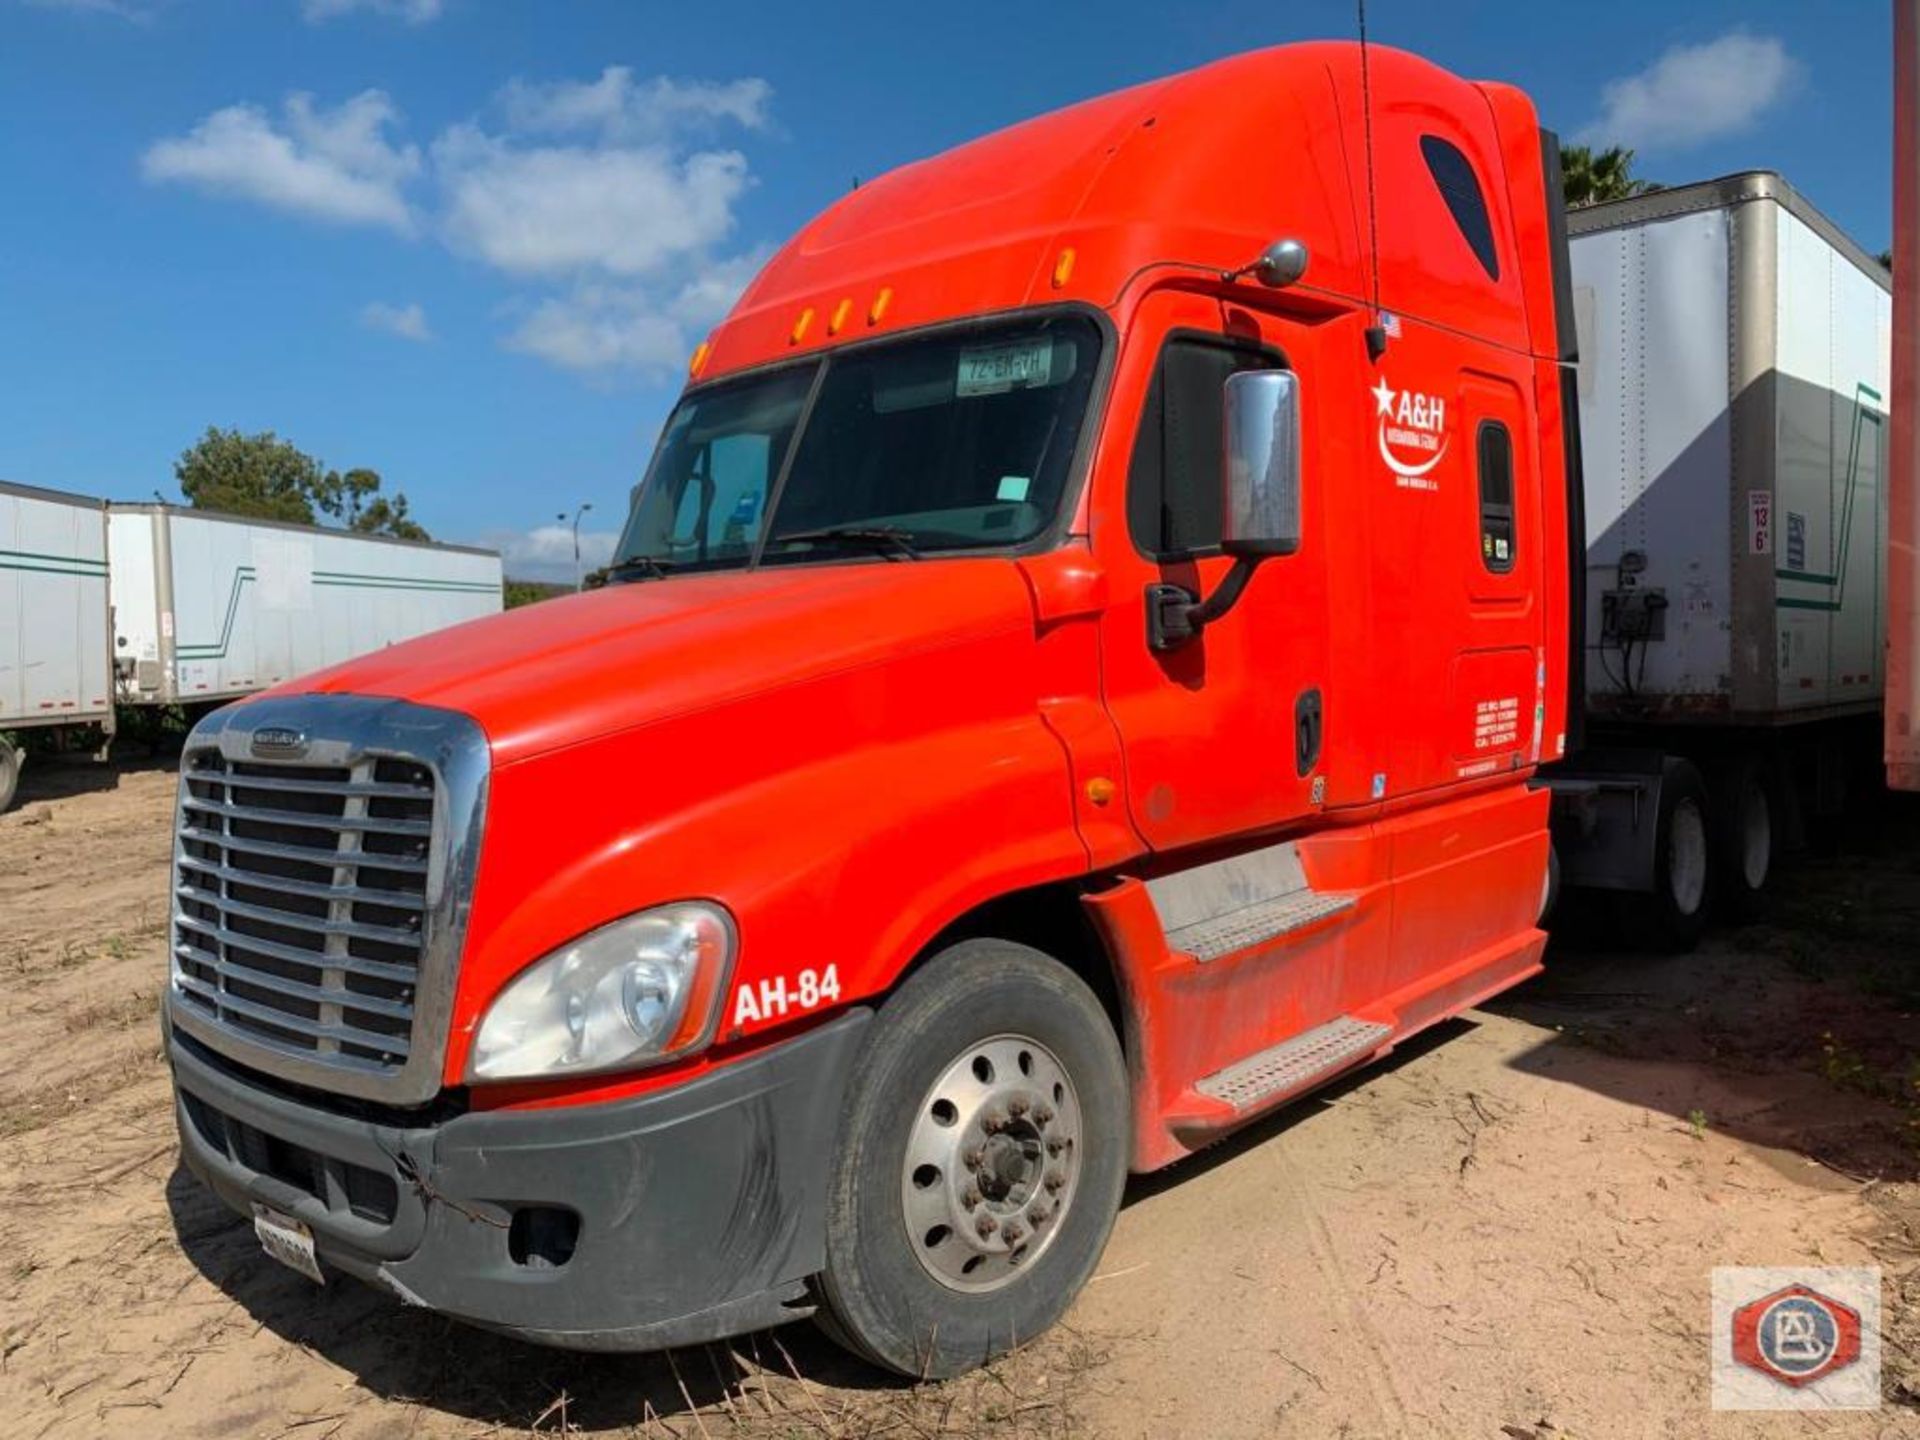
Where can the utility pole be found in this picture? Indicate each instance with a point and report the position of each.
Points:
(579, 577)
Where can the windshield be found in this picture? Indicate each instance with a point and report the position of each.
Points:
(953, 441)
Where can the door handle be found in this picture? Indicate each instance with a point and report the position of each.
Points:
(1307, 727)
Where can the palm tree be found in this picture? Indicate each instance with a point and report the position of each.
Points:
(1589, 176)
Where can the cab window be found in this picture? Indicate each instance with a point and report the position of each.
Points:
(1173, 482)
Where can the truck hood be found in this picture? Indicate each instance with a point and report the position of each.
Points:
(564, 671)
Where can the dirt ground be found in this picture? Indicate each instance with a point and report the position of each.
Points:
(1506, 1231)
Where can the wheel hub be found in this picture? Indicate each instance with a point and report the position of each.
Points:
(992, 1163)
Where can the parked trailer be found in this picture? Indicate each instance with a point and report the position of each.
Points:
(56, 677)
(208, 607)
(1733, 375)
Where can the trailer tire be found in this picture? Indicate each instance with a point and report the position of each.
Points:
(12, 758)
(979, 1164)
(1744, 837)
(1674, 916)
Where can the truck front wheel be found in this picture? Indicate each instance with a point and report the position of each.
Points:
(10, 758)
(979, 1164)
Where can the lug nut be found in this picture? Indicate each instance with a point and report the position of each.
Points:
(1043, 1115)
(971, 1198)
(986, 1225)
(993, 1122)
(1039, 1215)
(1055, 1145)
(1013, 1231)
(1055, 1179)
(972, 1157)
(1018, 1105)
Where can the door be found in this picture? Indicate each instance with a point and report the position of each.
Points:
(1224, 734)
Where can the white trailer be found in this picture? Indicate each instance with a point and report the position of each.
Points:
(1733, 381)
(207, 607)
(55, 672)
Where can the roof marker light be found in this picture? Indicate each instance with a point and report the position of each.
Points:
(879, 306)
(799, 331)
(699, 360)
(1063, 268)
(839, 317)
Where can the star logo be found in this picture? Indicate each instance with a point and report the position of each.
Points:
(1384, 394)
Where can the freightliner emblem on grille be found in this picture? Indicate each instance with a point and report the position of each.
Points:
(279, 740)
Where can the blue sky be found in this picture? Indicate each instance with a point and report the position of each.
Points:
(470, 242)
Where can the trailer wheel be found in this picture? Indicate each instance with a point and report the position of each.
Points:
(1743, 838)
(1674, 916)
(979, 1164)
(11, 759)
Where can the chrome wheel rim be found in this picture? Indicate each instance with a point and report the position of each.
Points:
(992, 1164)
(1756, 836)
(1687, 857)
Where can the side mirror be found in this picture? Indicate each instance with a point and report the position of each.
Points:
(1260, 506)
(1260, 502)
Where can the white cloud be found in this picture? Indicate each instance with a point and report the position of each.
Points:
(413, 12)
(606, 195)
(409, 322)
(614, 327)
(335, 165)
(1694, 93)
(546, 552)
(556, 210)
(619, 108)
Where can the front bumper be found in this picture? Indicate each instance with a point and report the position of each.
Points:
(700, 1209)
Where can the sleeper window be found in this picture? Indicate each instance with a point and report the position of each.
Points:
(1494, 449)
(1173, 484)
(1453, 173)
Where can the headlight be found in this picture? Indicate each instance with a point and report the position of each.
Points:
(640, 990)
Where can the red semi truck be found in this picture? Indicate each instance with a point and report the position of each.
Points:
(1072, 680)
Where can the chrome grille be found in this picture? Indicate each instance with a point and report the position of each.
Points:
(300, 901)
(324, 863)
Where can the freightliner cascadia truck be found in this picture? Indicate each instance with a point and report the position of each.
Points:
(1079, 672)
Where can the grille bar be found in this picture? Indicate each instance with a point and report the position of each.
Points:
(307, 889)
(294, 928)
(223, 810)
(280, 1019)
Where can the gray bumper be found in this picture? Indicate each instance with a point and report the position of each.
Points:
(699, 1210)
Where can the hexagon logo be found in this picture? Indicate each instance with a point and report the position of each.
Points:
(1796, 1335)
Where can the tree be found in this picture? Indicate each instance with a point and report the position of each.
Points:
(268, 478)
(1589, 176)
(258, 475)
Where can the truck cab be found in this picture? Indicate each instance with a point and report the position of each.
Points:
(1072, 680)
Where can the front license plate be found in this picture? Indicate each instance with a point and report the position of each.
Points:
(288, 1241)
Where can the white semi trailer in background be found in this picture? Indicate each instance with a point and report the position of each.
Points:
(207, 607)
(1733, 382)
(56, 668)
(148, 605)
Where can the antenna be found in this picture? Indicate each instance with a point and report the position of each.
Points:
(1376, 332)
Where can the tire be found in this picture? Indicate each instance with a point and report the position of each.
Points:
(991, 1089)
(11, 760)
(1745, 837)
(1674, 916)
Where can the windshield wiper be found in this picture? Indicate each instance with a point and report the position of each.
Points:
(650, 566)
(886, 539)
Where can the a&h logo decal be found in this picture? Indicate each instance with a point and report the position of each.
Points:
(1412, 433)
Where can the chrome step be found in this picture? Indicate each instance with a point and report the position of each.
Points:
(1257, 923)
(1294, 1063)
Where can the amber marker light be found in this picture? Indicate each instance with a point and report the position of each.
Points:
(699, 360)
(1100, 790)
(799, 331)
(879, 307)
(839, 317)
(1063, 268)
